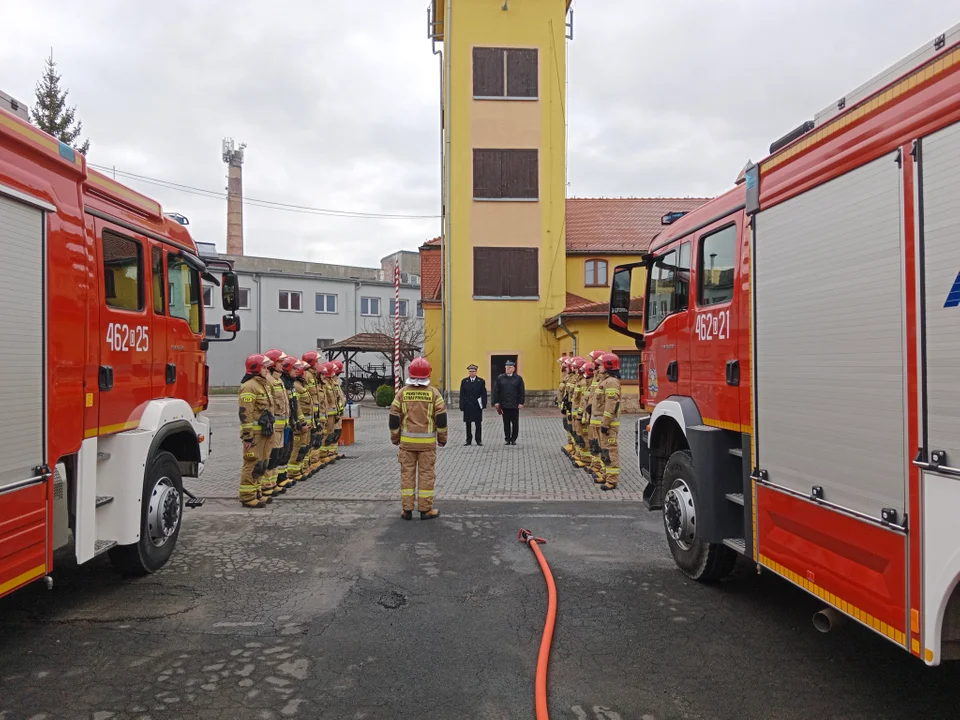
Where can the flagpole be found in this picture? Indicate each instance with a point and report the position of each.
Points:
(396, 328)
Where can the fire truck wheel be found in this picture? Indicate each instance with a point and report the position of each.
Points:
(162, 510)
(705, 562)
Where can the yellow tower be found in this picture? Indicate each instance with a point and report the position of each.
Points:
(504, 182)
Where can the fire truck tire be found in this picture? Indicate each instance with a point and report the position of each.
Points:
(161, 515)
(698, 560)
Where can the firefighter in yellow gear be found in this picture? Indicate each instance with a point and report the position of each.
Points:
(341, 406)
(311, 378)
(586, 456)
(594, 404)
(576, 399)
(328, 412)
(610, 423)
(256, 428)
(280, 411)
(418, 423)
(561, 399)
(301, 419)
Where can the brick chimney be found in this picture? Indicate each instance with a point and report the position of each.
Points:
(234, 160)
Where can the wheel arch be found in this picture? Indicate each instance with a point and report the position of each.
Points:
(180, 440)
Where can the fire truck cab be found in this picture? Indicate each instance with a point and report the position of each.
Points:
(800, 356)
(103, 380)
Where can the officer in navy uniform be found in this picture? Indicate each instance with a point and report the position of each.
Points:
(473, 398)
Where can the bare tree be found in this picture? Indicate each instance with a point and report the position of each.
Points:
(413, 338)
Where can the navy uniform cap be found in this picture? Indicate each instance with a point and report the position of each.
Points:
(510, 363)
(471, 367)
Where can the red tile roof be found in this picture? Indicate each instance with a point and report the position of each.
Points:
(581, 307)
(430, 271)
(619, 225)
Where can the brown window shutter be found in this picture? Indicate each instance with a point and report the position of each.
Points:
(522, 73)
(486, 173)
(520, 174)
(505, 272)
(487, 72)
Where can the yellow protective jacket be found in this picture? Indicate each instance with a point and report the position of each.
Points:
(304, 405)
(577, 396)
(310, 381)
(328, 407)
(418, 417)
(256, 398)
(595, 400)
(609, 392)
(281, 405)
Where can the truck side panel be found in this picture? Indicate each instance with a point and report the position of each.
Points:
(939, 176)
(830, 341)
(23, 490)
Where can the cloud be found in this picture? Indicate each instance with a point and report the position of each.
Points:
(339, 102)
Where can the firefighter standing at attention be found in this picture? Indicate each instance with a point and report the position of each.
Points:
(610, 424)
(328, 414)
(586, 455)
(256, 428)
(576, 395)
(567, 376)
(341, 404)
(418, 423)
(287, 365)
(301, 420)
(280, 408)
(311, 379)
(594, 403)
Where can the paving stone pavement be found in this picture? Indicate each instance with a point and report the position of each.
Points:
(534, 470)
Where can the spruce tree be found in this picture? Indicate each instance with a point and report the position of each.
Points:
(52, 114)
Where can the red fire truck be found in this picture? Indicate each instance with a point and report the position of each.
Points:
(103, 380)
(801, 361)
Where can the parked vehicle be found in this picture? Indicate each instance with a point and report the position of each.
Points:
(800, 358)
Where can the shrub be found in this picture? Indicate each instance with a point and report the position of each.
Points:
(384, 396)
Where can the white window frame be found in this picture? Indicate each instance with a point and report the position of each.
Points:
(326, 296)
(419, 308)
(290, 294)
(404, 305)
(240, 295)
(206, 289)
(369, 314)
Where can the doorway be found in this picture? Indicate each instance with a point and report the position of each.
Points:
(498, 364)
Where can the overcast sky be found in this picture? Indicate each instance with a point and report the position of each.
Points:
(338, 102)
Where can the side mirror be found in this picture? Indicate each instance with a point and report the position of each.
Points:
(231, 323)
(626, 300)
(230, 292)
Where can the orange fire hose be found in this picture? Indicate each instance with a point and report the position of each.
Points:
(525, 536)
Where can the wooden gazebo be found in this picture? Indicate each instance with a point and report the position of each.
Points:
(368, 343)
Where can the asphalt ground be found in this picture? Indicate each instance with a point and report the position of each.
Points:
(313, 609)
(327, 605)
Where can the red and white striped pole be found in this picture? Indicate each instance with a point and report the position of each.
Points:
(396, 328)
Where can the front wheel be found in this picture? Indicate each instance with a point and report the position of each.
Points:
(161, 515)
(356, 391)
(699, 560)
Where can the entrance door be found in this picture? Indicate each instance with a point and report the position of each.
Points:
(498, 366)
(666, 355)
(159, 347)
(715, 365)
(185, 330)
(125, 339)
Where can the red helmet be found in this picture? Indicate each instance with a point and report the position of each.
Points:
(325, 369)
(298, 367)
(610, 361)
(255, 363)
(596, 355)
(338, 366)
(311, 359)
(275, 354)
(287, 364)
(420, 369)
(587, 369)
(577, 363)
